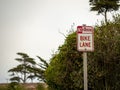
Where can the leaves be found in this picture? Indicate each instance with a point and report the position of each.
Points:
(102, 62)
(64, 70)
(44, 65)
(21, 71)
(15, 79)
(104, 6)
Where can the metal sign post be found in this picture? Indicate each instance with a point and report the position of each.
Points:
(85, 70)
(85, 43)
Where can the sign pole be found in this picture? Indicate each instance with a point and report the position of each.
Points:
(85, 43)
(85, 70)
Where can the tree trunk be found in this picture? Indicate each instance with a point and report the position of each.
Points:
(106, 17)
(24, 77)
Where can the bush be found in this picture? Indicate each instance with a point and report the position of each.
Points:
(15, 86)
(42, 87)
(3, 87)
(65, 71)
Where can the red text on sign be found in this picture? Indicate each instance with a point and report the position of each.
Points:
(85, 44)
(85, 38)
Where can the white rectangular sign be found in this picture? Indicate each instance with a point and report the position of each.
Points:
(85, 40)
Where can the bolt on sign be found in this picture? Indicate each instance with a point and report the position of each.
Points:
(85, 40)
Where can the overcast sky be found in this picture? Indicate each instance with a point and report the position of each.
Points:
(34, 26)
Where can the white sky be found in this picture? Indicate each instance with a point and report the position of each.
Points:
(34, 26)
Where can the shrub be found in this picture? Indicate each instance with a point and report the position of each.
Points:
(15, 86)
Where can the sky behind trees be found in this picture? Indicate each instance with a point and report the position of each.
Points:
(35, 26)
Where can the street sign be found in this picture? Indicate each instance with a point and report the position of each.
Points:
(85, 40)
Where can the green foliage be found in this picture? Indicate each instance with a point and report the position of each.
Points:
(28, 69)
(43, 63)
(65, 71)
(3, 88)
(104, 62)
(15, 86)
(104, 6)
(40, 87)
(21, 71)
(39, 69)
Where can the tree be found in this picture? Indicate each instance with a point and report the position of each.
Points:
(104, 62)
(65, 69)
(104, 6)
(38, 69)
(20, 72)
(28, 69)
